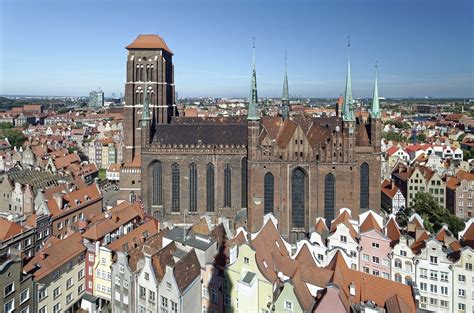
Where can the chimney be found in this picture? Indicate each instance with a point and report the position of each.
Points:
(58, 197)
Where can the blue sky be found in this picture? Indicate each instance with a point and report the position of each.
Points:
(424, 47)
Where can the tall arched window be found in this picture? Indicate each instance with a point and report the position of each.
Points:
(227, 186)
(268, 190)
(210, 187)
(364, 186)
(157, 190)
(298, 198)
(175, 187)
(192, 188)
(244, 182)
(329, 194)
(147, 73)
(137, 73)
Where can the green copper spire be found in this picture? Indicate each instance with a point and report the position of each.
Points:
(375, 112)
(146, 108)
(348, 107)
(252, 113)
(285, 97)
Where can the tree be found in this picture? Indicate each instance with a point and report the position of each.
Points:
(420, 137)
(15, 137)
(435, 215)
(394, 136)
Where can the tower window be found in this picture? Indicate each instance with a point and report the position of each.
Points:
(227, 186)
(329, 196)
(175, 190)
(268, 189)
(243, 176)
(210, 187)
(157, 198)
(192, 188)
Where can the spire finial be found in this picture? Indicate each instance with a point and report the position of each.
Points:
(253, 51)
(285, 97)
(252, 113)
(375, 111)
(348, 109)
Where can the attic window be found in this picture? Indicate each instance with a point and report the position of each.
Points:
(77, 202)
(265, 264)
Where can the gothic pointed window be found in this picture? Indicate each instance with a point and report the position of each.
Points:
(268, 195)
(157, 195)
(298, 198)
(175, 187)
(192, 188)
(364, 187)
(210, 188)
(329, 196)
(243, 175)
(227, 186)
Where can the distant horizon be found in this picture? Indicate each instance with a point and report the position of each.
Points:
(228, 97)
(64, 48)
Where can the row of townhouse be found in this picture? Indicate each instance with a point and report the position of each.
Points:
(104, 152)
(438, 266)
(176, 270)
(265, 274)
(454, 192)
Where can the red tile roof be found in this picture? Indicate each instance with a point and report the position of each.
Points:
(111, 221)
(370, 223)
(54, 254)
(9, 229)
(149, 42)
(136, 236)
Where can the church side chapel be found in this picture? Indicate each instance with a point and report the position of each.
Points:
(296, 166)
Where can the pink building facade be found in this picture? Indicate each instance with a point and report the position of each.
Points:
(374, 254)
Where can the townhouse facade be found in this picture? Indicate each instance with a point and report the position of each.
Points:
(58, 272)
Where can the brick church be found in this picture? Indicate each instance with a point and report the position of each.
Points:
(295, 166)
